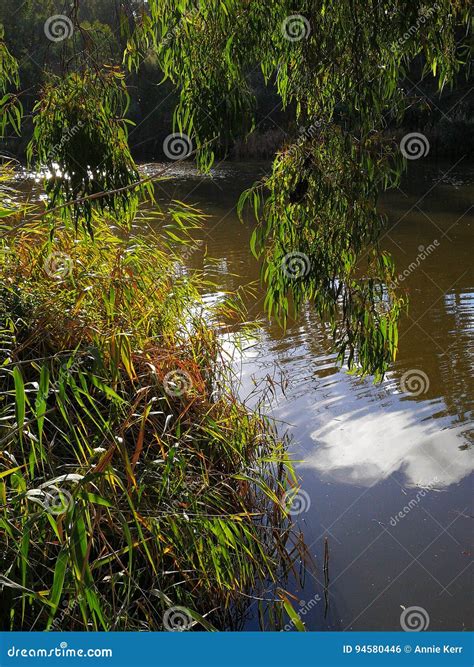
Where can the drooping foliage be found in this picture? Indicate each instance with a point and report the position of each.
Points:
(10, 116)
(323, 55)
(10, 106)
(339, 65)
(80, 136)
(323, 249)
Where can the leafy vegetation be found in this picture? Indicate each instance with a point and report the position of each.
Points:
(311, 244)
(132, 480)
(10, 107)
(338, 66)
(80, 136)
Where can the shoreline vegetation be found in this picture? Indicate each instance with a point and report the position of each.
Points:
(447, 138)
(136, 491)
(132, 481)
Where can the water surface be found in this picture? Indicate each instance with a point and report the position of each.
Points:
(386, 470)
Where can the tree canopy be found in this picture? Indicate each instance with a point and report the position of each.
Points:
(338, 65)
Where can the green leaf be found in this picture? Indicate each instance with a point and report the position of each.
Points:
(58, 582)
(20, 400)
(296, 620)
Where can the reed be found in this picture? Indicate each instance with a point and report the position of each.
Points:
(132, 480)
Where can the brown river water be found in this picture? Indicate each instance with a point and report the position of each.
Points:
(386, 470)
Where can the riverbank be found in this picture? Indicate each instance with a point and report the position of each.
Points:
(137, 492)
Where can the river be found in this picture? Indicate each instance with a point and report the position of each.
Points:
(386, 471)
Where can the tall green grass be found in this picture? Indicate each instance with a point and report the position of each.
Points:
(132, 481)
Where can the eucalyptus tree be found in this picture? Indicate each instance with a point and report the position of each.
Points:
(338, 66)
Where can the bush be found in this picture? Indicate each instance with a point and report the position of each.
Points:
(132, 481)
